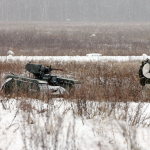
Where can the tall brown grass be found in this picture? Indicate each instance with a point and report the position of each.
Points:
(74, 38)
(110, 81)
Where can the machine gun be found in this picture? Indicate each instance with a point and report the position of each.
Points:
(40, 71)
(42, 77)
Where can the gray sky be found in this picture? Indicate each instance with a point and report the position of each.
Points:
(75, 10)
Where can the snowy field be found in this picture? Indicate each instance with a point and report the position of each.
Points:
(33, 124)
(60, 124)
(73, 58)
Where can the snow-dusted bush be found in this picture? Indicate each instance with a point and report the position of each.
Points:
(10, 52)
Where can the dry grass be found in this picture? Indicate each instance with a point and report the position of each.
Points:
(111, 81)
(58, 39)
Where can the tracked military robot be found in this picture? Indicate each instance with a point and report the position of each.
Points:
(43, 80)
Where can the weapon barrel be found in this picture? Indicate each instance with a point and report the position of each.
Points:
(57, 69)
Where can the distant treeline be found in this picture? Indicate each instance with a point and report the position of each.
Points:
(75, 10)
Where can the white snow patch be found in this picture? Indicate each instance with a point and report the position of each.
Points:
(72, 58)
(144, 56)
(93, 35)
(94, 54)
(57, 125)
(54, 90)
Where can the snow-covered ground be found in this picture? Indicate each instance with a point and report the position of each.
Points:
(73, 58)
(64, 125)
(33, 124)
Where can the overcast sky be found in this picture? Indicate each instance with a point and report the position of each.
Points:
(75, 10)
